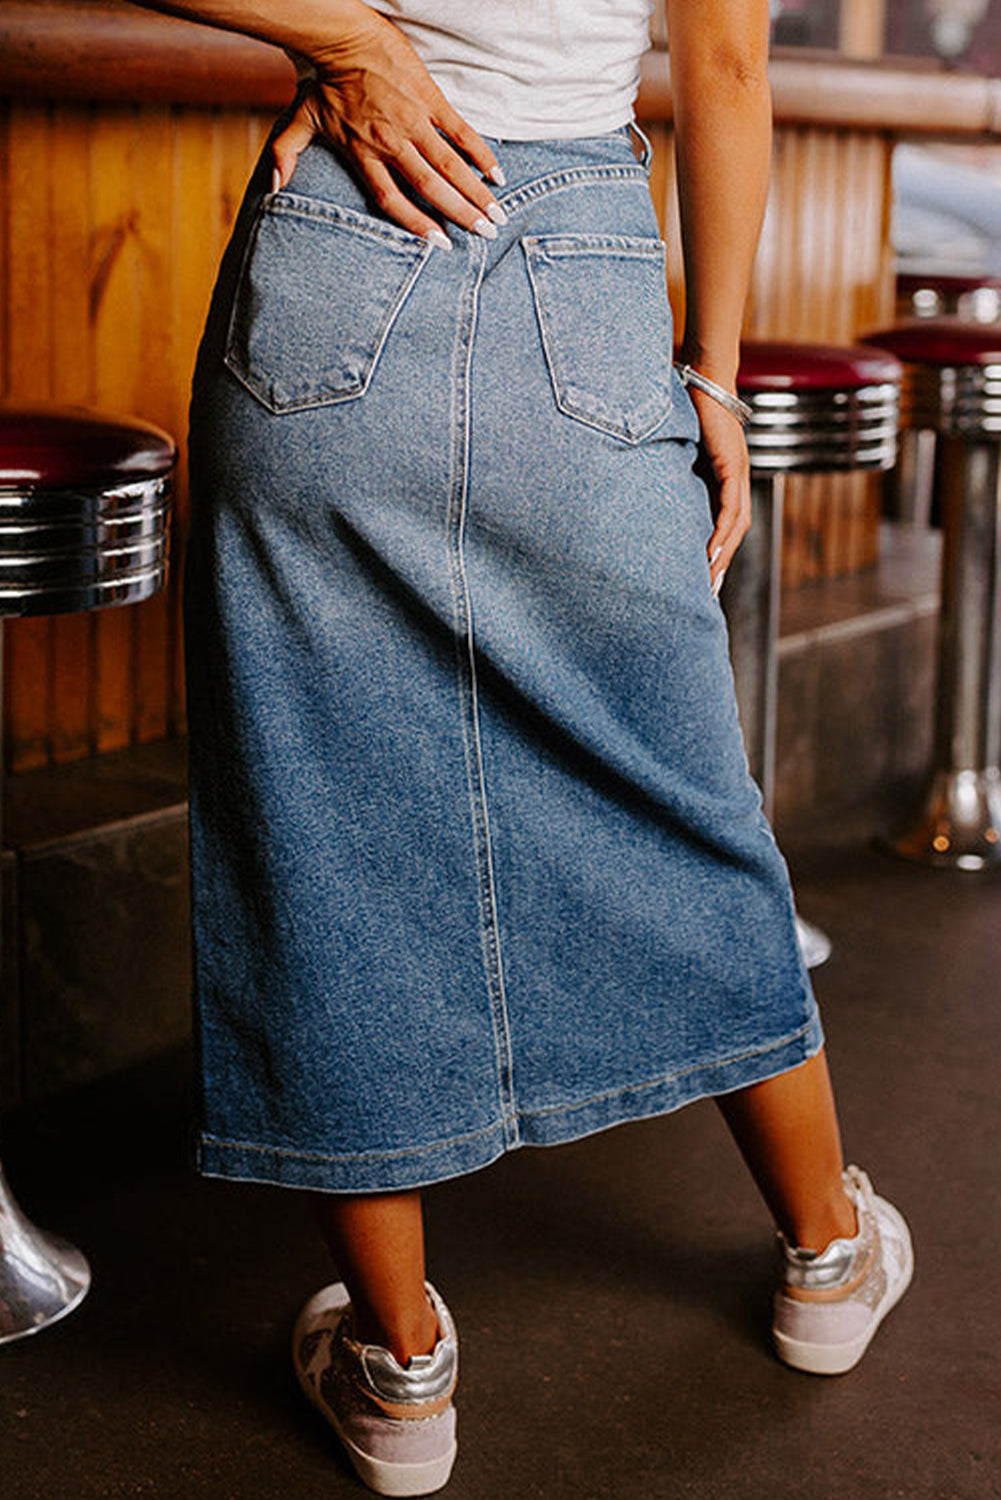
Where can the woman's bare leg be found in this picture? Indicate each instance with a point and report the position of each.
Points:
(787, 1130)
(377, 1242)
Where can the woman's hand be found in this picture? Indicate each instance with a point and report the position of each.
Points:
(374, 101)
(726, 451)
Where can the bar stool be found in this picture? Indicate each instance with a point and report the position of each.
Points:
(84, 515)
(814, 409)
(952, 385)
(910, 485)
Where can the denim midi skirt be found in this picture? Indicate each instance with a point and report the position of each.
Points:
(477, 859)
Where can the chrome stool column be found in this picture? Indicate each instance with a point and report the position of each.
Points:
(952, 385)
(910, 485)
(84, 513)
(814, 409)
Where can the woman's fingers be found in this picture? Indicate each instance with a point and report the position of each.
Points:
(435, 171)
(293, 140)
(724, 446)
(732, 524)
(468, 141)
(373, 100)
(387, 195)
(442, 179)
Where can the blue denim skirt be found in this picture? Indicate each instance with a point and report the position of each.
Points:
(477, 859)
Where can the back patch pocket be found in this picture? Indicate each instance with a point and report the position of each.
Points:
(319, 290)
(601, 302)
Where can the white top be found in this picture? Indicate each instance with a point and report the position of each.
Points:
(530, 69)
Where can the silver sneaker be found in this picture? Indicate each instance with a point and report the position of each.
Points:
(832, 1301)
(397, 1423)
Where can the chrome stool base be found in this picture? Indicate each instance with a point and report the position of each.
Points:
(42, 1278)
(84, 523)
(815, 946)
(952, 389)
(815, 408)
(959, 827)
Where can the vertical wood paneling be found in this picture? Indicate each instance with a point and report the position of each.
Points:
(824, 266)
(5, 178)
(112, 221)
(823, 269)
(114, 296)
(824, 273)
(27, 199)
(154, 625)
(72, 637)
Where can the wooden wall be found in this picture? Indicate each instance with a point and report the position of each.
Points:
(112, 221)
(113, 216)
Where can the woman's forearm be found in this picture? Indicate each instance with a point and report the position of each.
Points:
(314, 28)
(722, 113)
(373, 101)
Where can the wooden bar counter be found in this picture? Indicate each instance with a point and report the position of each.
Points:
(125, 141)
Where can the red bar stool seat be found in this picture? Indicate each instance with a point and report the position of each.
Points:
(84, 517)
(84, 507)
(952, 385)
(815, 408)
(910, 488)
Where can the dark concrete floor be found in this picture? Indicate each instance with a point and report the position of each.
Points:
(612, 1296)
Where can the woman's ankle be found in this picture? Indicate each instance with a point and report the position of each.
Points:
(834, 1218)
(405, 1335)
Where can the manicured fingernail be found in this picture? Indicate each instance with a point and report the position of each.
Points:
(718, 584)
(276, 180)
(496, 175)
(496, 213)
(485, 228)
(714, 554)
(439, 237)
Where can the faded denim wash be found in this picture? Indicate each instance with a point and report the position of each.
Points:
(477, 860)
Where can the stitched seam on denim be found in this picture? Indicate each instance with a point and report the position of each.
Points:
(654, 1083)
(404, 1152)
(624, 246)
(469, 705)
(252, 234)
(394, 1155)
(558, 182)
(294, 205)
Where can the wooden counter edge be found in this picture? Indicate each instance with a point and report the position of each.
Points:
(111, 51)
(900, 100)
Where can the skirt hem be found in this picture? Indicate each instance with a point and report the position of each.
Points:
(243, 1161)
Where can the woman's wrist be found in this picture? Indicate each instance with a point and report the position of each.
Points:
(697, 380)
(718, 361)
(357, 23)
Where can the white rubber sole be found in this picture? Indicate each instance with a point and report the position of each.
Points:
(838, 1359)
(382, 1477)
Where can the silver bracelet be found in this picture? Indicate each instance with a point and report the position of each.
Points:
(733, 404)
